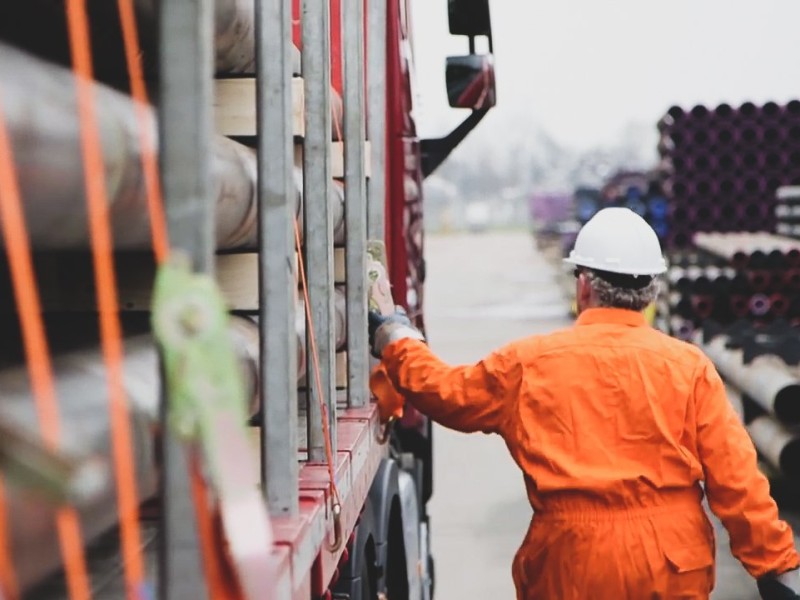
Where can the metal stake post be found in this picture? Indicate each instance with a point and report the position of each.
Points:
(276, 257)
(376, 123)
(318, 235)
(186, 68)
(355, 202)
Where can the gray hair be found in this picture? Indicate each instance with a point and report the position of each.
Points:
(618, 297)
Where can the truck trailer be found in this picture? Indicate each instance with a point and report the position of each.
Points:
(199, 200)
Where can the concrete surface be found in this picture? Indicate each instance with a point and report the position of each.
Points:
(482, 291)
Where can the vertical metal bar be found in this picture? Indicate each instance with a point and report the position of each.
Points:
(186, 126)
(355, 192)
(186, 68)
(376, 122)
(276, 192)
(318, 234)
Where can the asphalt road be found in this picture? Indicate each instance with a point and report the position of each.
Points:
(482, 291)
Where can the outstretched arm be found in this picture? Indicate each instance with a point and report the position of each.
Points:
(470, 398)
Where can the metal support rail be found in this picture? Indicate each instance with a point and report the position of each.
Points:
(355, 203)
(376, 123)
(318, 252)
(277, 283)
(186, 66)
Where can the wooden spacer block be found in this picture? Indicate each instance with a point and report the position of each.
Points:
(235, 107)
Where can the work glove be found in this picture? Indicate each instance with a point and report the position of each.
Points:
(785, 586)
(385, 329)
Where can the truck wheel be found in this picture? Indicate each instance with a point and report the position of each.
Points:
(396, 567)
(359, 577)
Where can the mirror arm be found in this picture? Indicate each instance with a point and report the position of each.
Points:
(435, 150)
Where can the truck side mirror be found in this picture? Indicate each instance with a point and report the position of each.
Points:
(469, 17)
(470, 81)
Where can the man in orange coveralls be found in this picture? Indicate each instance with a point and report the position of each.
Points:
(614, 426)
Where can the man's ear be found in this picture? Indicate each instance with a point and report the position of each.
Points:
(584, 291)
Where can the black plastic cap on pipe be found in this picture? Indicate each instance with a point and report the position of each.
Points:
(748, 110)
(740, 306)
(771, 109)
(778, 305)
(724, 111)
(790, 459)
(787, 404)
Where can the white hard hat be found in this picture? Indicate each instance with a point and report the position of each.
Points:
(618, 240)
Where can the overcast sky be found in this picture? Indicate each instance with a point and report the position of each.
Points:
(584, 69)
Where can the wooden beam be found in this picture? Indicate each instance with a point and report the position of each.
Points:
(235, 107)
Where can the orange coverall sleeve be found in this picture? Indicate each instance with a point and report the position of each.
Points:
(738, 493)
(470, 398)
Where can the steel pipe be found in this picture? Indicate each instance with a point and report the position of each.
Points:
(683, 329)
(788, 193)
(234, 35)
(39, 26)
(739, 305)
(40, 109)
(779, 305)
(779, 446)
(81, 389)
(767, 379)
(737, 246)
(83, 405)
(759, 304)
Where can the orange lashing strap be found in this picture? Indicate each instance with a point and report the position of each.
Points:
(155, 202)
(219, 587)
(110, 328)
(337, 504)
(37, 353)
(9, 586)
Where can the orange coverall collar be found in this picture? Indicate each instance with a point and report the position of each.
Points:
(619, 316)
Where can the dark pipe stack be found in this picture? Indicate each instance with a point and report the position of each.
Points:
(721, 167)
(754, 285)
(759, 295)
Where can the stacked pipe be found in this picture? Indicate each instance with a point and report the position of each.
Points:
(741, 276)
(85, 422)
(40, 108)
(40, 112)
(787, 211)
(763, 384)
(722, 166)
(635, 190)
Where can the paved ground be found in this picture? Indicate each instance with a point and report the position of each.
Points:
(482, 291)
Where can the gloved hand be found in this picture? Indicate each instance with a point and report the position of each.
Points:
(384, 329)
(785, 586)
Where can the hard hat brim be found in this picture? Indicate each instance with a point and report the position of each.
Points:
(588, 263)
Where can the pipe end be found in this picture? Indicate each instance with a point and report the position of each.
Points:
(787, 404)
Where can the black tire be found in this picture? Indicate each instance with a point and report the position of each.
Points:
(359, 579)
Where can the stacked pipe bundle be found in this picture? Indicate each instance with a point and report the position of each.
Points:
(760, 366)
(722, 166)
(641, 192)
(737, 276)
